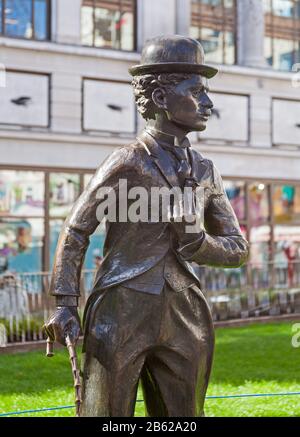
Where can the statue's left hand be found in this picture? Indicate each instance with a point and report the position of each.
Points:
(64, 321)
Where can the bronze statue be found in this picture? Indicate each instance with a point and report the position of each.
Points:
(146, 318)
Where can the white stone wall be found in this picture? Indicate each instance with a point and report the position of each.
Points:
(65, 144)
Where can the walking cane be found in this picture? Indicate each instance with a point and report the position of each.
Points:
(75, 369)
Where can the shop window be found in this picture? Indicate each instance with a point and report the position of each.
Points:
(21, 193)
(235, 191)
(21, 220)
(64, 190)
(259, 208)
(287, 254)
(21, 244)
(286, 203)
(260, 237)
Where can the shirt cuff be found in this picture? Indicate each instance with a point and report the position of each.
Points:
(66, 301)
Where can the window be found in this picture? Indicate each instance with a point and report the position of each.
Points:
(64, 189)
(282, 33)
(108, 24)
(286, 200)
(269, 215)
(258, 203)
(21, 220)
(27, 19)
(33, 208)
(213, 23)
(235, 191)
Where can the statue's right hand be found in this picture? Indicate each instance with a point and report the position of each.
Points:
(64, 321)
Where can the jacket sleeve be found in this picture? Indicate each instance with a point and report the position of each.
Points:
(222, 243)
(81, 222)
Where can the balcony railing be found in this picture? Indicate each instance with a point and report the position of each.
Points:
(251, 291)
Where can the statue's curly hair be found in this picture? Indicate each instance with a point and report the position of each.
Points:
(143, 87)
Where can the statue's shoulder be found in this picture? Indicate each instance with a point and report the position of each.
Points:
(198, 157)
(122, 158)
(134, 151)
(129, 155)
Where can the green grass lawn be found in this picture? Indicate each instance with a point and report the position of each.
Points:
(253, 359)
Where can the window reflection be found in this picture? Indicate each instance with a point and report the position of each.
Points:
(258, 203)
(87, 24)
(108, 24)
(213, 24)
(283, 8)
(286, 200)
(287, 254)
(283, 54)
(18, 14)
(282, 29)
(64, 190)
(235, 191)
(260, 244)
(40, 19)
(25, 19)
(21, 244)
(21, 193)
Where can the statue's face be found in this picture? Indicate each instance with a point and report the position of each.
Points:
(189, 105)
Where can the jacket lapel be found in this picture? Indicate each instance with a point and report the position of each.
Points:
(161, 160)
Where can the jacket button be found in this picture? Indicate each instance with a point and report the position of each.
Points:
(168, 275)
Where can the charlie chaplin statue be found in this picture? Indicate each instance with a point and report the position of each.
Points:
(146, 319)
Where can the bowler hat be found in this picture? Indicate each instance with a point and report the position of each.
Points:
(173, 54)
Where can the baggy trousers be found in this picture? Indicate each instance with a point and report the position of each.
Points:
(165, 340)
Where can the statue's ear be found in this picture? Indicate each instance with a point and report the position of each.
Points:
(159, 98)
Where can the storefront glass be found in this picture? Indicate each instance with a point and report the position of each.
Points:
(286, 201)
(21, 193)
(287, 254)
(235, 191)
(21, 244)
(31, 221)
(259, 211)
(64, 190)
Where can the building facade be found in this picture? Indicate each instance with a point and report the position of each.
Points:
(66, 102)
